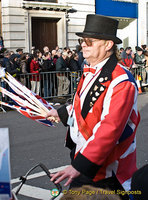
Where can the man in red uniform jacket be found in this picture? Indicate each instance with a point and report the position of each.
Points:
(103, 118)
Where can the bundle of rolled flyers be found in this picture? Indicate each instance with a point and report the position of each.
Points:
(25, 101)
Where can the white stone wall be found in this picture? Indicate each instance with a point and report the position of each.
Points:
(143, 22)
(16, 24)
(128, 34)
(77, 20)
(137, 29)
(13, 24)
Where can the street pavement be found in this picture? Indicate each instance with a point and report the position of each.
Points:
(32, 143)
(142, 131)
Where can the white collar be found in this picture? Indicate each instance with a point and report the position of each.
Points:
(100, 65)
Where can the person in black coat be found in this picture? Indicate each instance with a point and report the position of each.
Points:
(73, 62)
(12, 66)
(80, 54)
(48, 63)
(63, 81)
(47, 66)
(74, 67)
(5, 60)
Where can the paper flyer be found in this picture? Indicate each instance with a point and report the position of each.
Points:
(5, 186)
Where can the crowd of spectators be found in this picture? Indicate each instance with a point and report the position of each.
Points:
(62, 61)
(37, 64)
(136, 62)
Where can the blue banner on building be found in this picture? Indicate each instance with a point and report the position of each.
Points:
(116, 8)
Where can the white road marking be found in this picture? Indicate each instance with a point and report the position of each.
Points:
(39, 174)
(36, 192)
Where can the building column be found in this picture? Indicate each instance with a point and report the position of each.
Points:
(142, 22)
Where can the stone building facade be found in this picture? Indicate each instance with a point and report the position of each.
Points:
(54, 22)
(27, 22)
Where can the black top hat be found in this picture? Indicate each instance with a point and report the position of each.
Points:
(100, 27)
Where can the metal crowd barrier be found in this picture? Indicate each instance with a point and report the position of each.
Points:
(49, 83)
(141, 75)
(136, 72)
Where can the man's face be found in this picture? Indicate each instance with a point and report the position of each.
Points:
(96, 51)
(20, 52)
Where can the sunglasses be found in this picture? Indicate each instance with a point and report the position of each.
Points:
(88, 41)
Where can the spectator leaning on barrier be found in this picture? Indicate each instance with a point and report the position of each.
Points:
(47, 66)
(101, 139)
(40, 58)
(140, 61)
(54, 58)
(35, 77)
(127, 59)
(74, 67)
(73, 62)
(80, 54)
(19, 53)
(48, 63)
(63, 81)
(23, 68)
(28, 61)
(5, 61)
(70, 53)
(14, 66)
